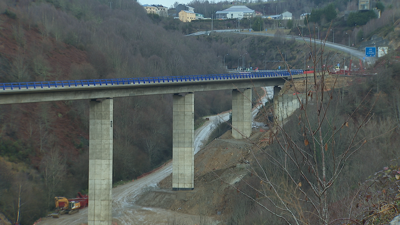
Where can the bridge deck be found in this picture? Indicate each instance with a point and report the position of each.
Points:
(26, 92)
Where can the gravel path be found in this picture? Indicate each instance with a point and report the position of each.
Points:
(126, 212)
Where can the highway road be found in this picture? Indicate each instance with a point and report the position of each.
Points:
(343, 48)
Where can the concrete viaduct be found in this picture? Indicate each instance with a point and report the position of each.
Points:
(101, 93)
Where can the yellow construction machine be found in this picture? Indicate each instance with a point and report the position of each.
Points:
(70, 206)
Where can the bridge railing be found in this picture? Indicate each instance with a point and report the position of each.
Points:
(144, 80)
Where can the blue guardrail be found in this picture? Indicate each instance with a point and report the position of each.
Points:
(144, 80)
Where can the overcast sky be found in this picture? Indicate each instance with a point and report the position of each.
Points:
(166, 3)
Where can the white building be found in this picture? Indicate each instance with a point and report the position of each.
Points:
(156, 9)
(304, 15)
(287, 16)
(364, 5)
(199, 16)
(235, 12)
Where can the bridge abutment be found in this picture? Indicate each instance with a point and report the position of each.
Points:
(241, 113)
(183, 140)
(100, 162)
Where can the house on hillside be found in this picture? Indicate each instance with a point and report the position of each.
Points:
(156, 9)
(235, 12)
(274, 17)
(187, 16)
(287, 16)
(259, 13)
(364, 5)
(199, 16)
(181, 7)
(304, 15)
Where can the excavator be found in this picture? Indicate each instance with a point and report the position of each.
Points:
(70, 206)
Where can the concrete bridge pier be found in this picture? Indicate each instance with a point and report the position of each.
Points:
(100, 161)
(277, 104)
(183, 141)
(241, 113)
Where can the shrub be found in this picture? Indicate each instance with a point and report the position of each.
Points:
(328, 14)
(360, 18)
(380, 6)
(10, 14)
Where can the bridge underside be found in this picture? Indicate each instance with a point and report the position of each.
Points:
(82, 93)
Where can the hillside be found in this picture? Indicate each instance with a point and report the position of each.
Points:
(44, 146)
(229, 184)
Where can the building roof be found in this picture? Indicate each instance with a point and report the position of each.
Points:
(237, 8)
(188, 11)
(274, 16)
(147, 5)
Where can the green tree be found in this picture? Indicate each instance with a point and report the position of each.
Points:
(315, 16)
(258, 24)
(329, 12)
(360, 18)
(306, 19)
(380, 6)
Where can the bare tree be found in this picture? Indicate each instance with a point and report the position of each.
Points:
(307, 152)
(19, 67)
(53, 167)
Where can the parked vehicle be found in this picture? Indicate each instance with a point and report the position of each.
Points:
(70, 206)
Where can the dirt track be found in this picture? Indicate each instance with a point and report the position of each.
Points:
(126, 212)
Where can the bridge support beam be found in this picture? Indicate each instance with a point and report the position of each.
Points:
(241, 113)
(100, 161)
(183, 140)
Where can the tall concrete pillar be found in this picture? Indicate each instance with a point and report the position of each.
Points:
(183, 141)
(100, 161)
(278, 105)
(241, 113)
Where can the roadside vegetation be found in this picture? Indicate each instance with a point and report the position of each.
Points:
(314, 169)
(66, 40)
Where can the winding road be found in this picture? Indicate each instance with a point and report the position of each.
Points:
(343, 48)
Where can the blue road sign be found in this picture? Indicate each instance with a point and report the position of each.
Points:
(370, 52)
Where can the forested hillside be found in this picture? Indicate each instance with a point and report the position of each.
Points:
(44, 146)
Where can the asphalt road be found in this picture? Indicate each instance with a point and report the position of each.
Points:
(343, 48)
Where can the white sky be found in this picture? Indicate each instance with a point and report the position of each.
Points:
(166, 3)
